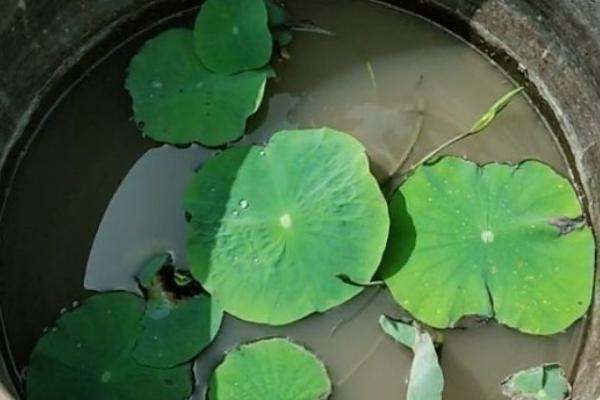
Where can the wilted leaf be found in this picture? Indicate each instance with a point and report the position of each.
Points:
(426, 381)
(180, 318)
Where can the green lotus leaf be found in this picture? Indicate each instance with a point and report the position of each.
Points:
(177, 100)
(426, 381)
(271, 369)
(546, 382)
(272, 227)
(496, 241)
(180, 318)
(87, 355)
(232, 36)
(279, 21)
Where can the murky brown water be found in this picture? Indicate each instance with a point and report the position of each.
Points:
(91, 191)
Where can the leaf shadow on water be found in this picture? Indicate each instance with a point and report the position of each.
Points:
(401, 240)
(205, 229)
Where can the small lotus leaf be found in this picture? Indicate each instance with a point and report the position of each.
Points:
(426, 381)
(177, 100)
(495, 241)
(87, 355)
(271, 369)
(546, 382)
(272, 227)
(180, 319)
(232, 36)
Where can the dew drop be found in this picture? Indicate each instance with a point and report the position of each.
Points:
(244, 203)
(262, 152)
(106, 376)
(63, 310)
(256, 260)
(235, 30)
(157, 84)
(212, 189)
(235, 213)
(75, 304)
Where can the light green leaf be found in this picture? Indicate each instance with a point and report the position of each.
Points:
(87, 355)
(426, 381)
(271, 369)
(546, 382)
(177, 100)
(272, 227)
(232, 36)
(180, 319)
(491, 114)
(495, 241)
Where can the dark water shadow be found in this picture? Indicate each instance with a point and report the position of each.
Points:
(402, 238)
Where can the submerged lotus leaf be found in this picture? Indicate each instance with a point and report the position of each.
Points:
(180, 318)
(272, 227)
(495, 241)
(271, 369)
(546, 382)
(426, 381)
(177, 100)
(87, 355)
(232, 36)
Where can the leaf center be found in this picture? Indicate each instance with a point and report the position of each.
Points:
(286, 221)
(487, 236)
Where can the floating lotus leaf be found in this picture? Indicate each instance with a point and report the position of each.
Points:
(180, 318)
(272, 227)
(232, 36)
(271, 369)
(546, 382)
(87, 355)
(495, 241)
(279, 21)
(177, 100)
(426, 381)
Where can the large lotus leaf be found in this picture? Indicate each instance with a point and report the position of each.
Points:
(272, 227)
(497, 240)
(87, 355)
(271, 369)
(546, 382)
(177, 100)
(180, 318)
(232, 36)
(426, 381)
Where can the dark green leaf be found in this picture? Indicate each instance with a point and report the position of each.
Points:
(87, 355)
(177, 100)
(180, 319)
(232, 36)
